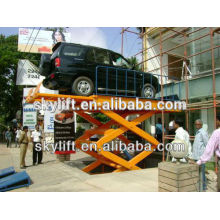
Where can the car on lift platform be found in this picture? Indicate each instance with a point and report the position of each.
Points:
(86, 70)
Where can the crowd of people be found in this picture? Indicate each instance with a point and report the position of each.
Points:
(203, 147)
(22, 138)
(11, 134)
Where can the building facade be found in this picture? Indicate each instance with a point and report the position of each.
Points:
(187, 62)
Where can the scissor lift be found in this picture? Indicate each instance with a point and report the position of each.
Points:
(118, 117)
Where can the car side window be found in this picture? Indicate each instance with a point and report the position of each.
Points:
(91, 55)
(118, 60)
(102, 56)
(73, 51)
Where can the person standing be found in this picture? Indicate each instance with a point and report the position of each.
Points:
(199, 145)
(159, 133)
(8, 137)
(18, 134)
(37, 147)
(181, 134)
(23, 141)
(171, 126)
(213, 146)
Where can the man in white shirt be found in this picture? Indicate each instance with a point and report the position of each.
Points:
(37, 147)
(181, 134)
(171, 128)
(18, 134)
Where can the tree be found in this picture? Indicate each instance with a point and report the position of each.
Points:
(11, 94)
(134, 62)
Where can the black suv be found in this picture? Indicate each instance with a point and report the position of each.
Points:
(86, 70)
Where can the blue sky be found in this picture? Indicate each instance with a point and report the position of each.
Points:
(111, 35)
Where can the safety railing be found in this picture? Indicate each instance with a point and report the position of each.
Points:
(122, 82)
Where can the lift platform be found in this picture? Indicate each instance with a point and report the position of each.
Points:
(115, 128)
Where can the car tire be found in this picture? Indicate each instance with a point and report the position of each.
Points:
(148, 91)
(83, 86)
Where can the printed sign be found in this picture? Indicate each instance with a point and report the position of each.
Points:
(29, 116)
(64, 131)
(35, 41)
(28, 73)
(29, 112)
(48, 122)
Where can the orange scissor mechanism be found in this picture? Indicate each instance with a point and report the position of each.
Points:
(118, 120)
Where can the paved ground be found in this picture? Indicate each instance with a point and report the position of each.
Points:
(53, 175)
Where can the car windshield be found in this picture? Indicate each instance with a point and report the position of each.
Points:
(118, 60)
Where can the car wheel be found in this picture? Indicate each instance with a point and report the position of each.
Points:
(148, 91)
(83, 86)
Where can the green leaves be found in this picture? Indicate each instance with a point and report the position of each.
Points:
(10, 93)
(134, 62)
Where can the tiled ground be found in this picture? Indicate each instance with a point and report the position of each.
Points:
(53, 175)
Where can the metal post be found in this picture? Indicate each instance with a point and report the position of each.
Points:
(186, 85)
(143, 65)
(122, 40)
(161, 84)
(214, 90)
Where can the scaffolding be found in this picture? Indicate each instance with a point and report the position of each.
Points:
(184, 37)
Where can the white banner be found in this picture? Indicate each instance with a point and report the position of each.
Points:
(28, 73)
(42, 90)
(48, 91)
(30, 40)
(29, 116)
(48, 122)
(29, 113)
(26, 91)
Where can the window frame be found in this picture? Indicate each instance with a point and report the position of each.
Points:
(112, 53)
(69, 56)
(91, 49)
(107, 52)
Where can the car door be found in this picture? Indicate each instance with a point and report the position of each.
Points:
(126, 80)
(73, 60)
(90, 63)
(103, 63)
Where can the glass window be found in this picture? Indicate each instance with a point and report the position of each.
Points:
(102, 56)
(74, 51)
(118, 60)
(91, 55)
